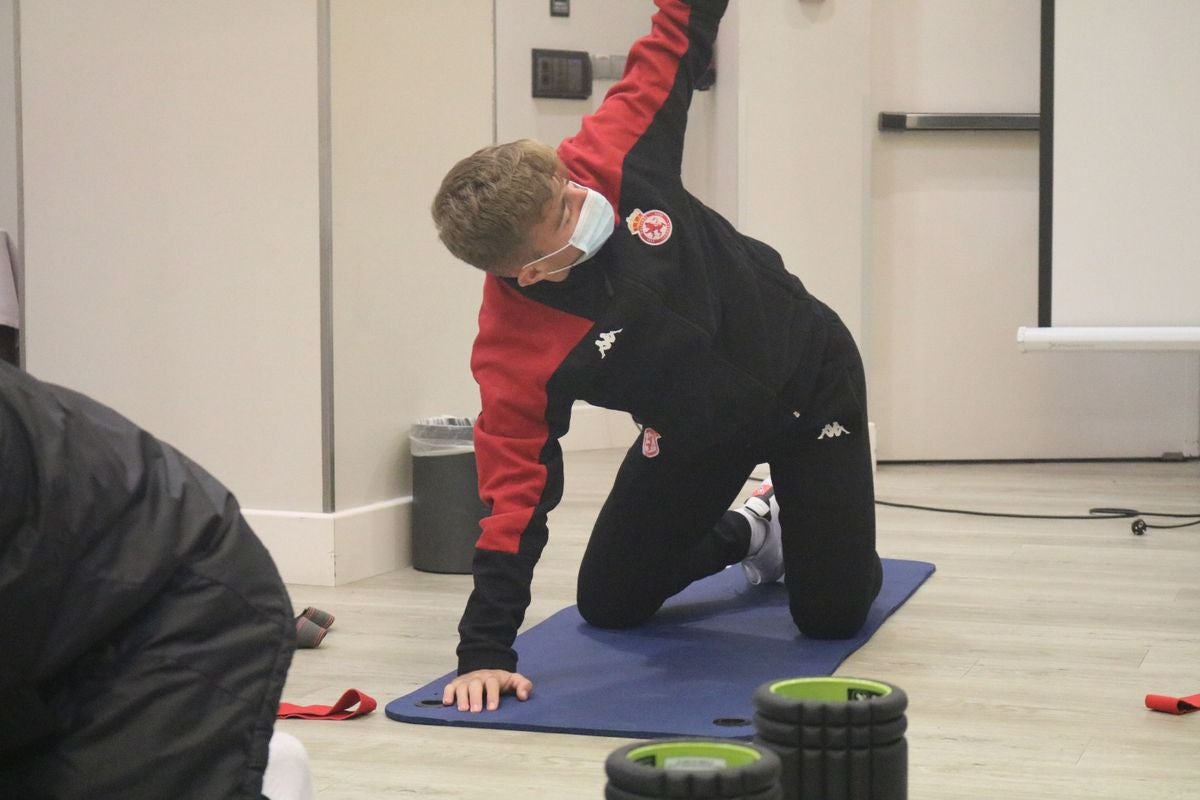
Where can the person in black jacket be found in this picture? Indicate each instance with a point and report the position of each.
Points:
(147, 633)
(607, 281)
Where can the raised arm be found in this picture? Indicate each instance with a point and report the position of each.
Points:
(645, 113)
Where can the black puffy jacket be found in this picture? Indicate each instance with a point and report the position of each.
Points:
(146, 633)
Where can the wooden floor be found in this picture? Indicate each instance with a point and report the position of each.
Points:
(1026, 657)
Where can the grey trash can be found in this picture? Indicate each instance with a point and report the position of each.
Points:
(446, 505)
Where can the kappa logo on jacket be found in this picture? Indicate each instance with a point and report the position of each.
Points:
(832, 431)
(652, 227)
(606, 341)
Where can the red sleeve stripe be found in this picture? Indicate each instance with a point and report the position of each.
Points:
(521, 344)
(595, 155)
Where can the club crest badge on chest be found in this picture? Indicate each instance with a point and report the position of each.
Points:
(652, 227)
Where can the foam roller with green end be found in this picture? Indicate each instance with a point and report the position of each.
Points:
(692, 768)
(837, 738)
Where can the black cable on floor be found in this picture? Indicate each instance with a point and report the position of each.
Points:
(1139, 525)
(1180, 525)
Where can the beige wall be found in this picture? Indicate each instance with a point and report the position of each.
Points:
(171, 226)
(926, 244)
(406, 104)
(599, 27)
(172, 163)
(174, 211)
(953, 269)
(204, 198)
(1126, 185)
(8, 119)
(609, 27)
(803, 82)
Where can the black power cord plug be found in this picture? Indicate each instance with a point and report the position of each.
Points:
(1138, 526)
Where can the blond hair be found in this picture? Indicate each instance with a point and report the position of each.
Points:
(489, 202)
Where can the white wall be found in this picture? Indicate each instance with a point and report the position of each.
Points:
(926, 244)
(174, 211)
(171, 226)
(609, 27)
(595, 26)
(404, 309)
(9, 201)
(1126, 163)
(953, 269)
(172, 162)
(803, 83)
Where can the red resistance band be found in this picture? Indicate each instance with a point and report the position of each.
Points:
(339, 710)
(1173, 705)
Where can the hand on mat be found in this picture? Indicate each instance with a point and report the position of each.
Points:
(473, 688)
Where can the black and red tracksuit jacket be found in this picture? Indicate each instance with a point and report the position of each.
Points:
(696, 330)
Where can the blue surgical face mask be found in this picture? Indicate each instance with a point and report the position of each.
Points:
(592, 229)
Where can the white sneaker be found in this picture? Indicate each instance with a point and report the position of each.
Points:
(764, 562)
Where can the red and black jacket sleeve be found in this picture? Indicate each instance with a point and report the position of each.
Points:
(647, 109)
(519, 350)
(519, 354)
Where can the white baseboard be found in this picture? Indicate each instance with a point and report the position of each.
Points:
(337, 548)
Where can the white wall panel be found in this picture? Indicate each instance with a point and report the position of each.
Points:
(803, 82)
(8, 119)
(412, 91)
(953, 269)
(171, 226)
(1126, 245)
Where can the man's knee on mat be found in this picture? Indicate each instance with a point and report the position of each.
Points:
(605, 610)
(830, 626)
(836, 618)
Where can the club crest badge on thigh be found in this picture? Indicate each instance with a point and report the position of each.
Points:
(650, 439)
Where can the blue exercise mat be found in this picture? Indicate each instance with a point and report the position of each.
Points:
(690, 671)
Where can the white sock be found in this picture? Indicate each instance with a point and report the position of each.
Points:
(287, 776)
(758, 530)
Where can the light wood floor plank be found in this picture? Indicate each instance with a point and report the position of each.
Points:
(1026, 657)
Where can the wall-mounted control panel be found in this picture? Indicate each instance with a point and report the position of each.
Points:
(562, 73)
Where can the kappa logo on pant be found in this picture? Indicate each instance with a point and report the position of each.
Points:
(832, 431)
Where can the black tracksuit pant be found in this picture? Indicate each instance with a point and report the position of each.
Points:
(666, 522)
